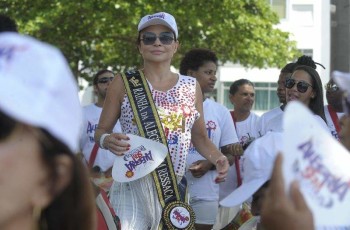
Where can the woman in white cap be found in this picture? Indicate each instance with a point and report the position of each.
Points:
(178, 102)
(43, 185)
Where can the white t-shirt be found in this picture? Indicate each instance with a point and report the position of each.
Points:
(221, 132)
(266, 117)
(330, 122)
(245, 130)
(91, 116)
(276, 123)
(259, 158)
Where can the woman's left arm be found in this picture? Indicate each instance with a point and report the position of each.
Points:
(203, 144)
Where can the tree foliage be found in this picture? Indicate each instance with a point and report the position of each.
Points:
(94, 34)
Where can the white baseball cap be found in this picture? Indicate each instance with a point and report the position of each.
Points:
(160, 18)
(258, 160)
(38, 87)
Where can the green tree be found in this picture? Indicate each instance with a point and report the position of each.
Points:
(94, 34)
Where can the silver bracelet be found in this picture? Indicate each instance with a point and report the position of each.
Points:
(102, 138)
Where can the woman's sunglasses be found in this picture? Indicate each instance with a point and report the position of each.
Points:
(149, 38)
(104, 80)
(302, 86)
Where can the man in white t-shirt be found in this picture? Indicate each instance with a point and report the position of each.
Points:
(242, 96)
(257, 166)
(334, 110)
(91, 114)
(204, 192)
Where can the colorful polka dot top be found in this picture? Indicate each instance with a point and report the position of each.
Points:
(177, 112)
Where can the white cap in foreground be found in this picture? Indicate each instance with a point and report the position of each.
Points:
(38, 87)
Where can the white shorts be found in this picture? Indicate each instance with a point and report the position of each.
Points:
(205, 211)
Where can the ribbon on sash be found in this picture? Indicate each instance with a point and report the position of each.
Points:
(334, 118)
(176, 213)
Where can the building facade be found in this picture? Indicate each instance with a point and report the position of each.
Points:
(308, 22)
(340, 35)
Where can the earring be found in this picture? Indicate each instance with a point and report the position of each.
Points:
(36, 217)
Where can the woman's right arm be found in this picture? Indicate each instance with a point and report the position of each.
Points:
(115, 142)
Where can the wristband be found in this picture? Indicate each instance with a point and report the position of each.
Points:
(102, 138)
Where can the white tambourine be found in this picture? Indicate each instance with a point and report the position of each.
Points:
(143, 157)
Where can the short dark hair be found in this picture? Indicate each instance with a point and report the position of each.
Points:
(95, 79)
(236, 84)
(7, 24)
(195, 58)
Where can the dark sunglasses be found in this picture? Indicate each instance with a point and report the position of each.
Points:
(149, 38)
(302, 86)
(104, 80)
(331, 87)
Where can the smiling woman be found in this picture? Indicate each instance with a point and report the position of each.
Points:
(169, 113)
(305, 85)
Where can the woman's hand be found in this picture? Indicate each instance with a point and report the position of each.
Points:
(199, 168)
(117, 143)
(222, 166)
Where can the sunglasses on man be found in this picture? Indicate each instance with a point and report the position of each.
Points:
(104, 80)
(331, 87)
(149, 38)
(302, 86)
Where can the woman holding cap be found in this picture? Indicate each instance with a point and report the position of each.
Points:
(178, 102)
(42, 183)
